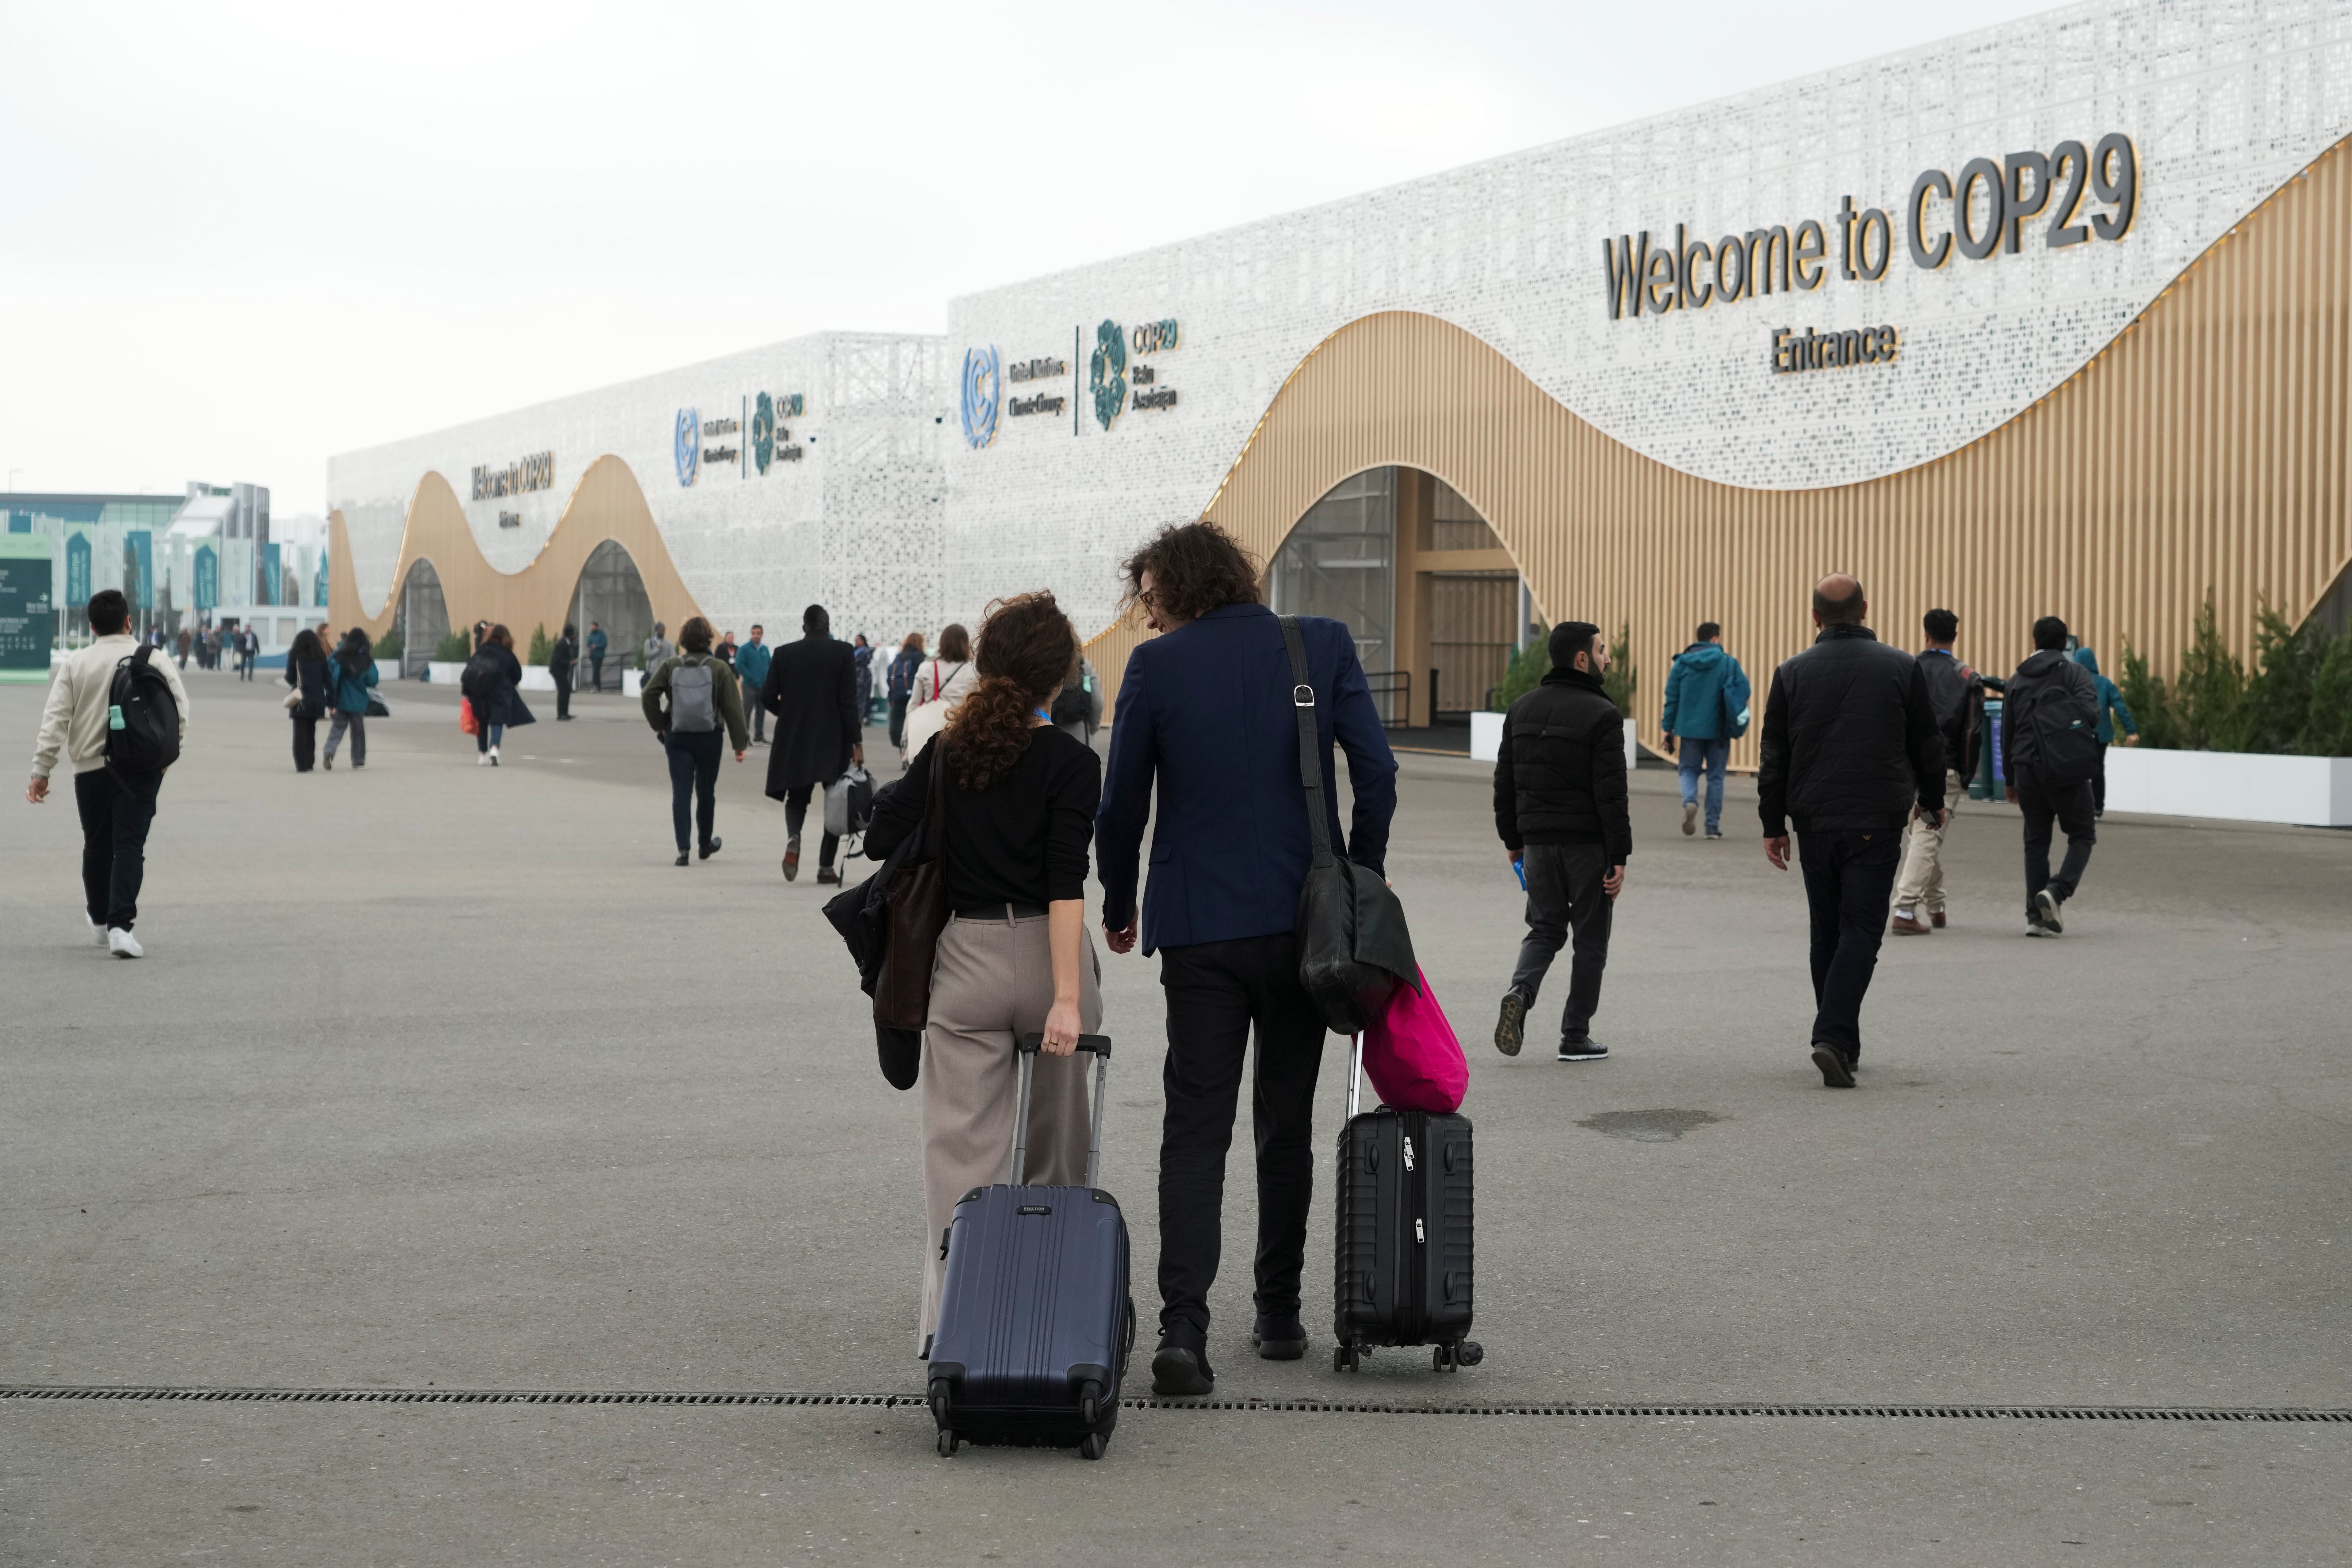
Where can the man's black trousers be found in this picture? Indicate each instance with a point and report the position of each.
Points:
(796, 805)
(693, 778)
(1849, 880)
(1563, 895)
(2071, 807)
(1216, 992)
(596, 670)
(563, 692)
(115, 816)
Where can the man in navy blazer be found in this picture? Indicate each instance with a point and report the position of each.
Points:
(1206, 709)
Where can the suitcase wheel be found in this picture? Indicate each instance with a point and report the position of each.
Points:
(1089, 1402)
(1092, 1445)
(1469, 1353)
(1441, 1359)
(947, 1442)
(941, 1400)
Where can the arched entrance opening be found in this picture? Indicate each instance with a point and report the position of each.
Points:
(612, 595)
(424, 618)
(1437, 605)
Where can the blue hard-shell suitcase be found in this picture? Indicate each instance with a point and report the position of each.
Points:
(1035, 1322)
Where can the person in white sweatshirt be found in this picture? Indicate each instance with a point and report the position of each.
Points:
(116, 809)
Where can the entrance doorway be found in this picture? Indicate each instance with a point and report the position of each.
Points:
(613, 595)
(424, 618)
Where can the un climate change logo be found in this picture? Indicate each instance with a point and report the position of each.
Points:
(687, 446)
(1108, 373)
(982, 391)
(763, 431)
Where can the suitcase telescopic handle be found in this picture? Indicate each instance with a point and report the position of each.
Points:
(1355, 1071)
(1026, 1047)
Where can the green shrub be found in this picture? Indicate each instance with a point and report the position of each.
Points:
(541, 650)
(454, 649)
(1526, 669)
(1621, 679)
(2297, 699)
(387, 647)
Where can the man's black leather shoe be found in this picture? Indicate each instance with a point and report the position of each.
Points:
(1279, 1337)
(1179, 1368)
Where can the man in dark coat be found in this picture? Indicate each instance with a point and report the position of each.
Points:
(1850, 751)
(812, 694)
(1561, 811)
(2049, 729)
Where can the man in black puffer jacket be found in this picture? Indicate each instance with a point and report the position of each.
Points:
(1559, 805)
(1850, 750)
(2050, 741)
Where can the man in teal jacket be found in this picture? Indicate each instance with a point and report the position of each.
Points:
(1707, 708)
(752, 662)
(2113, 709)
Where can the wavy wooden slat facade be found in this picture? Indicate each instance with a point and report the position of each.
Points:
(2204, 450)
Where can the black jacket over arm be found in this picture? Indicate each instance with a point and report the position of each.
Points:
(1850, 738)
(1559, 777)
(812, 690)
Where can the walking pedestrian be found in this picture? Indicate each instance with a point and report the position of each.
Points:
(862, 653)
(1707, 710)
(1561, 809)
(724, 652)
(597, 642)
(184, 641)
(563, 659)
(1849, 751)
(248, 650)
(688, 700)
(1206, 714)
(656, 649)
(493, 684)
(1016, 806)
(2113, 710)
(1078, 706)
(752, 666)
(899, 687)
(348, 676)
(810, 691)
(2049, 732)
(307, 676)
(1957, 694)
(939, 685)
(116, 807)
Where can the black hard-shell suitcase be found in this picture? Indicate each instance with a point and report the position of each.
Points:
(1404, 1255)
(1035, 1322)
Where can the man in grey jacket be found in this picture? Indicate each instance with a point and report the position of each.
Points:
(2049, 727)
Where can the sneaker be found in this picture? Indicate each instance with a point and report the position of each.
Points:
(1510, 1029)
(481, 759)
(1936, 919)
(1279, 1336)
(1179, 1368)
(1584, 1050)
(1836, 1071)
(122, 944)
(329, 760)
(494, 756)
(1690, 818)
(708, 850)
(97, 932)
(1907, 924)
(2045, 904)
(1714, 833)
(793, 858)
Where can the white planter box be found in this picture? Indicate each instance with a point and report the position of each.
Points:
(632, 683)
(2315, 792)
(537, 678)
(1486, 740)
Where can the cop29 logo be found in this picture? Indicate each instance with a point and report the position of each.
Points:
(983, 390)
(1107, 375)
(686, 445)
(763, 431)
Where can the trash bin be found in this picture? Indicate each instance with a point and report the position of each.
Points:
(1992, 774)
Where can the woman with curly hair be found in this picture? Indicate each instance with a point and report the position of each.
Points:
(1015, 800)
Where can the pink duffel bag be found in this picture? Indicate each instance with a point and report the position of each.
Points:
(1411, 1054)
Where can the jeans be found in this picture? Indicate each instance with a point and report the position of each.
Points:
(115, 816)
(1848, 877)
(2071, 807)
(1564, 894)
(487, 735)
(563, 692)
(796, 805)
(759, 714)
(899, 721)
(596, 670)
(693, 779)
(357, 724)
(1714, 757)
(1216, 991)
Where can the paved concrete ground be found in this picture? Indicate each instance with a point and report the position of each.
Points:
(440, 1075)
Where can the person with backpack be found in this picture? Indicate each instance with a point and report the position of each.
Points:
(1958, 695)
(899, 687)
(493, 682)
(119, 716)
(1078, 706)
(307, 680)
(562, 660)
(1707, 710)
(350, 674)
(688, 700)
(2050, 742)
(597, 643)
(2113, 710)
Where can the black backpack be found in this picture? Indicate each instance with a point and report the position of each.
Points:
(473, 682)
(2066, 749)
(142, 719)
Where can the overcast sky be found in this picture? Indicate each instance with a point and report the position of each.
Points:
(237, 237)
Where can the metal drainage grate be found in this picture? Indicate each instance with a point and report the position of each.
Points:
(1244, 1407)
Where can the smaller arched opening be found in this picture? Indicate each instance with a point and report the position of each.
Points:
(423, 619)
(1436, 603)
(612, 595)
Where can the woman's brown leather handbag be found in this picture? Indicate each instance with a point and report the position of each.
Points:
(919, 911)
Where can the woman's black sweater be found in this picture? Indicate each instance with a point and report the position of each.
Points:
(1022, 841)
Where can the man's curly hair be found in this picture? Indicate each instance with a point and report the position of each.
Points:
(1195, 567)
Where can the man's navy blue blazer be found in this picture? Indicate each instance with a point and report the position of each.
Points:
(1207, 708)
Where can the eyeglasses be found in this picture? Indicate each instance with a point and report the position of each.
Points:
(1148, 598)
